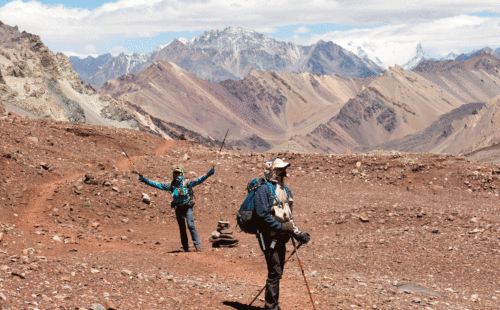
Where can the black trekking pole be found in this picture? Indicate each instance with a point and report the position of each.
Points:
(128, 158)
(304, 274)
(216, 158)
(296, 247)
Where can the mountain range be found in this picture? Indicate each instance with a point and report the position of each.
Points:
(311, 113)
(439, 106)
(400, 103)
(263, 109)
(40, 84)
(232, 54)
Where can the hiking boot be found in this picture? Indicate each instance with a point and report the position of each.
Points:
(198, 249)
(184, 250)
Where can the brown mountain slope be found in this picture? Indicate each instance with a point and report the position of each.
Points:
(398, 103)
(167, 92)
(293, 102)
(263, 110)
(471, 130)
(474, 80)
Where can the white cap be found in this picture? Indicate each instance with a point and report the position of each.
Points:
(271, 165)
(276, 163)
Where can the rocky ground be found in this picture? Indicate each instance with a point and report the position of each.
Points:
(389, 230)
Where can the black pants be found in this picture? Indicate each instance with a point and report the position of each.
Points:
(275, 259)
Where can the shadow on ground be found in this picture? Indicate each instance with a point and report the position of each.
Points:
(240, 306)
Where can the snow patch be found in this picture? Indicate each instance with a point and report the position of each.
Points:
(388, 54)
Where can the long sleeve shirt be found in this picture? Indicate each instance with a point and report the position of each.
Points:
(181, 191)
(272, 212)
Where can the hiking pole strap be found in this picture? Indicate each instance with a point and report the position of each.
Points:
(296, 247)
(304, 275)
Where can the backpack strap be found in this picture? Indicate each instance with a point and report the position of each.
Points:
(288, 192)
(273, 193)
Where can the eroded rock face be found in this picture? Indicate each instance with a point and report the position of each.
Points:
(38, 81)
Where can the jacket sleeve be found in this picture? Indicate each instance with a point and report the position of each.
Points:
(261, 202)
(194, 182)
(162, 186)
(296, 230)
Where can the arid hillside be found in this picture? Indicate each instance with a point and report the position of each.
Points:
(43, 84)
(471, 129)
(389, 230)
(474, 80)
(37, 83)
(262, 110)
(399, 103)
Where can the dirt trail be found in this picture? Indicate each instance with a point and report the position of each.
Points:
(39, 197)
(39, 203)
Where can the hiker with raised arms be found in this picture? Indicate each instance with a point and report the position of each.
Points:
(182, 193)
(273, 205)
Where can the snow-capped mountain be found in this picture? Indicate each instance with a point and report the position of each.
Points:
(485, 50)
(420, 55)
(234, 52)
(450, 56)
(387, 54)
(89, 65)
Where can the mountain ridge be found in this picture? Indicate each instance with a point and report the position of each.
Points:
(234, 52)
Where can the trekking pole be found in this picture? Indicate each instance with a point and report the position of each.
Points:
(216, 158)
(304, 274)
(128, 158)
(288, 258)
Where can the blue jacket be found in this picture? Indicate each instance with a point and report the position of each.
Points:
(262, 205)
(173, 186)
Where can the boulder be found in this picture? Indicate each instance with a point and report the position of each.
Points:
(145, 198)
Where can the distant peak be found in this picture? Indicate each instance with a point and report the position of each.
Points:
(238, 30)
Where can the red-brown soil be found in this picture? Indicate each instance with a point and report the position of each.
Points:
(376, 220)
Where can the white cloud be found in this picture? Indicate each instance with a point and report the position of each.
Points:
(89, 49)
(81, 56)
(144, 18)
(115, 51)
(442, 35)
(440, 24)
(301, 30)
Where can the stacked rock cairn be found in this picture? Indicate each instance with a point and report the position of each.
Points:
(223, 236)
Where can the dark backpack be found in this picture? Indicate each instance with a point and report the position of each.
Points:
(246, 218)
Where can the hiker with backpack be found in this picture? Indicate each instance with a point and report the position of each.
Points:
(267, 212)
(182, 193)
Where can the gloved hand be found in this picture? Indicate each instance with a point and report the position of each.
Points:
(141, 178)
(210, 172)
(303, 238)
(288, 227)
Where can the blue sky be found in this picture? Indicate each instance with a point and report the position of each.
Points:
(97, 27)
